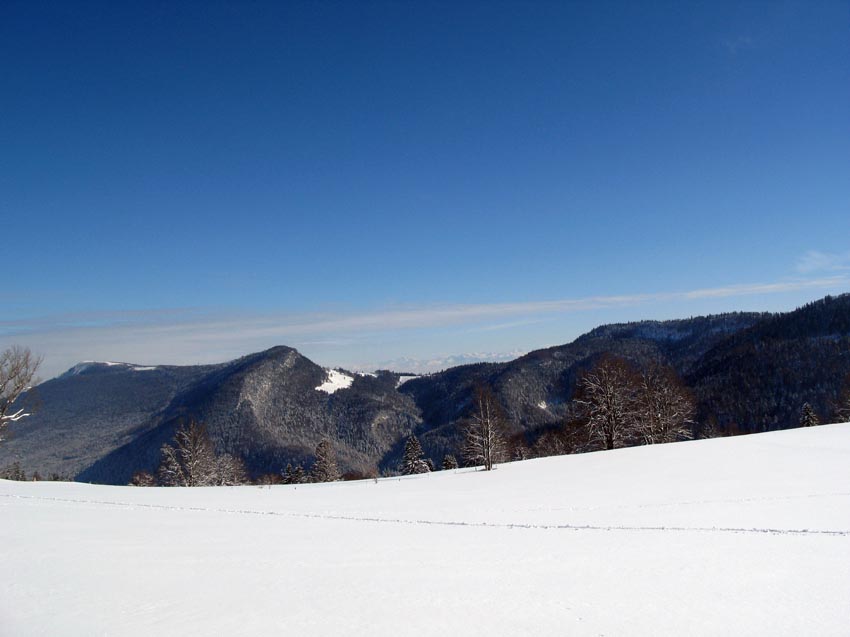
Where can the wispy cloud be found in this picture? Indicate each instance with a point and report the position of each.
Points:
(738, 43)
(815, 261)
(192, 336)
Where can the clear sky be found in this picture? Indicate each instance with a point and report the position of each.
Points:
(410, 184)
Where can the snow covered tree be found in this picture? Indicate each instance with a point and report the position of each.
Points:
(294, 475)
(842, 412)
(664, 410)
(299, 476)
(231, 470)
(484, 437)
(413, 461)
(17, 373)
(325, 468)
(191, 462)
(808, 418)
(449, 462)
(607, 393)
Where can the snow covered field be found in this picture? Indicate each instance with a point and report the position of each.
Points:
(742, 536)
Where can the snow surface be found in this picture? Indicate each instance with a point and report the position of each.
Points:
(79, 368)
(742, 536)
(404, 378)
(335, 380)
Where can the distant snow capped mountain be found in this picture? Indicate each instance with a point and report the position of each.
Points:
(440, 363)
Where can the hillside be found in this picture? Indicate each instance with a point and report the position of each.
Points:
(757, 379)
(102, 422)
(536, 388)
(648, 540)
(91, 410)
(273, 408)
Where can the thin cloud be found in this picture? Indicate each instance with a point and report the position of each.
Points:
(815, 261)
(735, 45)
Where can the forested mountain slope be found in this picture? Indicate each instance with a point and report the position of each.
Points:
(104, 421)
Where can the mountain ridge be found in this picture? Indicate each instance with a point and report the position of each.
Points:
(103, 421)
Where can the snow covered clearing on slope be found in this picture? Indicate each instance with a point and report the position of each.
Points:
(745, 536)
(335, 380)
(403, 379)
(79, 368)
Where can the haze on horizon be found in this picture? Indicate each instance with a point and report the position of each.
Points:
(385, 184)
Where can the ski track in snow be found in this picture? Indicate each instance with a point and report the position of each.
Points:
(493, 525)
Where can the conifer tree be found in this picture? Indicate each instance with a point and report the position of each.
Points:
(293, 475)
(413, 461)
(299, 476)
(191, 462)
(449, 462)
(325, 468)
(808, 418)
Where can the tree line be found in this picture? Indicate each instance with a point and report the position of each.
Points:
(191, 461)
(616, 404)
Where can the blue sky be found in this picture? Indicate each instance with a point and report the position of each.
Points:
(412, 184)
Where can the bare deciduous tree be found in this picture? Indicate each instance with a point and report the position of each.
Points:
(18, 366)
(664, 410)
(484, 438)
(231, 470)
(607, 393)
